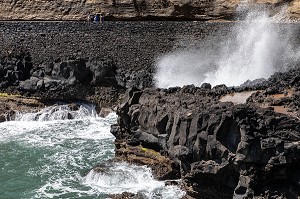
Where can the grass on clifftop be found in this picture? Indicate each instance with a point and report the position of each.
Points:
(9, 95)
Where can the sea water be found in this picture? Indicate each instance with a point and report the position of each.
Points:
(47, 155)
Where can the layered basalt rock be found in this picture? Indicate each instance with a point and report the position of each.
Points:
(133, 9)
(222, 150)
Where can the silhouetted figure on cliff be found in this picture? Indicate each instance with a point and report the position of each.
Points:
(97, 18)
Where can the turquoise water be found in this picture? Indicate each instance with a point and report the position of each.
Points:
(50, 158)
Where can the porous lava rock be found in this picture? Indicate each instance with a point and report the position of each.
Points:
(96, 80)
(222, 150)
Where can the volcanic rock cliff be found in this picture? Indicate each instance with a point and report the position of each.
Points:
(219, 149)
(133, 9)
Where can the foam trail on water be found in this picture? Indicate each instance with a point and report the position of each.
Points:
(256, 48)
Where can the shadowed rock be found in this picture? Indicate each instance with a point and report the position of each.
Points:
(223, 150)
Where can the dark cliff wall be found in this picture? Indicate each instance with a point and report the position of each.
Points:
(130, 44)
(114, 54)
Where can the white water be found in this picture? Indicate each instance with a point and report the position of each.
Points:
(59, 112)
(53, 159)
(123, 177)
(256, 48)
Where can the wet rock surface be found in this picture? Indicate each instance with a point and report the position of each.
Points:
(220, 149)
(10, 105)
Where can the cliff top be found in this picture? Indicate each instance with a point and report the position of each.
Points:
(137, 9)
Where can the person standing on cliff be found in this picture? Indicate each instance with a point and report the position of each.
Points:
(101, 18)
(96, 18)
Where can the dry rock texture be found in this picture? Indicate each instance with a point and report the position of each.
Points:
(133, 9)
(220, 150)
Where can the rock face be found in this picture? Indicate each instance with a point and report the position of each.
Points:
(222, 150)
(76, 79)
(132, 9)
(78, 60)
(11, 104)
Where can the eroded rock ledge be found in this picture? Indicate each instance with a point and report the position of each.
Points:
(135, 9)
(219, 149)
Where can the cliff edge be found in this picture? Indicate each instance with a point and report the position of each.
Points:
(136, 9)
(219, 149)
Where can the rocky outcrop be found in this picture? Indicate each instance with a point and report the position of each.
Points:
(132, 9)
(10, 105)
(95, 80)
(221, 150)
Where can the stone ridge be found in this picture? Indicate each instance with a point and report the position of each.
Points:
(222, 150)
(133, 9)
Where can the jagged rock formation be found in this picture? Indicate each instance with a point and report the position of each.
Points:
(223, 150)
(132, 9)
(95, 80)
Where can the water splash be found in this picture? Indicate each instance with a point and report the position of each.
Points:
(59, 112)
(255, 48)
(49, 159)
(117, 178)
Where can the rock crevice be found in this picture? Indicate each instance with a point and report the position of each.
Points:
(236, 150)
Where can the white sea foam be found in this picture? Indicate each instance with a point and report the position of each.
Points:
(256, 48)
(50, 133)
(123, 177)
(61, 151)
(59, 112)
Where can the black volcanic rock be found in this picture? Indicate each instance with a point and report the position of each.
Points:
(14, 68)
(224, 150)
(70, 79)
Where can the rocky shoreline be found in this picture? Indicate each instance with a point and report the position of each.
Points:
(220, 149)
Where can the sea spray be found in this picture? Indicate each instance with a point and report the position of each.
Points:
(116, 178)
(255, 48)
(44, 155)
(59, 112)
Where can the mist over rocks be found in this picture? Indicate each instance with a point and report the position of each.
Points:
(85, 61)
(220, 150)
